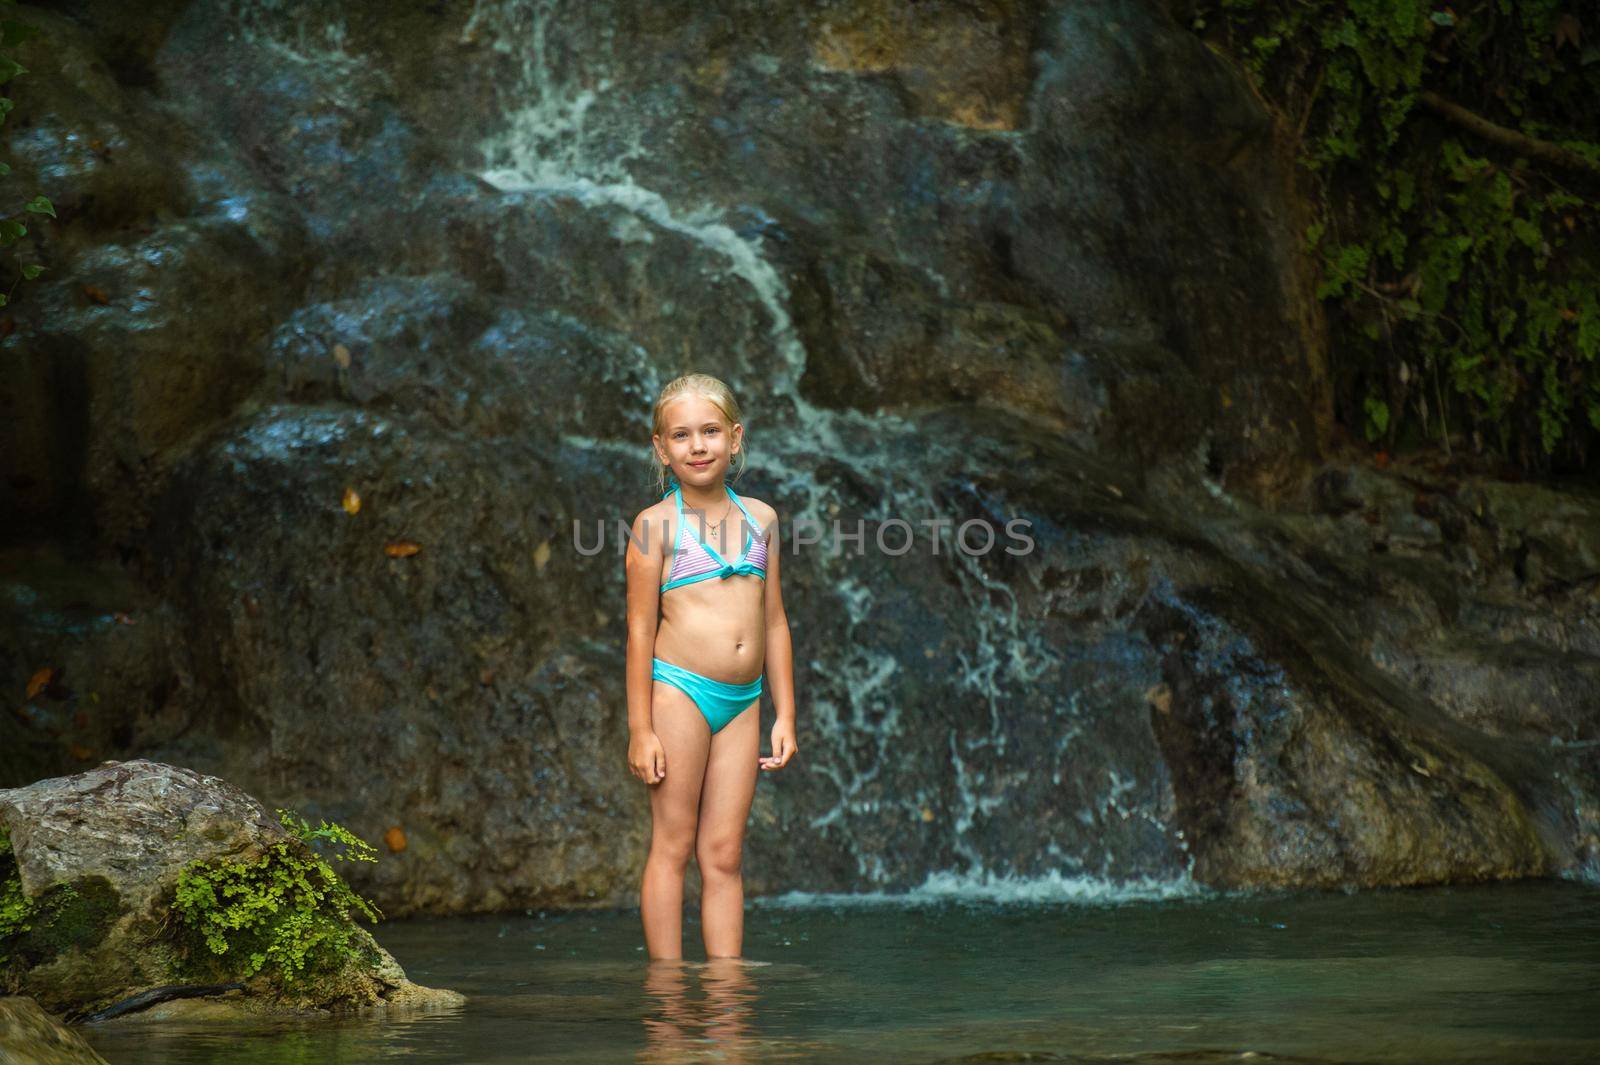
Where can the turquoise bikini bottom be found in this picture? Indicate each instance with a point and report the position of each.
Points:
(719, 701)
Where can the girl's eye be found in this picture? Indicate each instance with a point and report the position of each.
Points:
(712, 430)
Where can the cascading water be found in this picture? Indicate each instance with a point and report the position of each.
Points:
(567, 133)
(552, 144)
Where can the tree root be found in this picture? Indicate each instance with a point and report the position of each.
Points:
(146, 999)
(1508, 138)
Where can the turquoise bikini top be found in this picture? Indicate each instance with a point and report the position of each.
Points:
(696, 561)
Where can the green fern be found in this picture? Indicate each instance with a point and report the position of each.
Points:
(289, 909)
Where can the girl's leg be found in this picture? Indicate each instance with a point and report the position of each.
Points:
(674, 809)
(730, 785)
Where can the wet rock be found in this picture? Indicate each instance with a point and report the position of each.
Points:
(140, 333)
(966, 64)
(288, 670)
(100, 639)
(29, 1034)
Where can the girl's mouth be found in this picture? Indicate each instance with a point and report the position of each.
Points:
(701, 465)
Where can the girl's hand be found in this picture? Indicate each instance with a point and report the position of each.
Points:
(783, 746)
(646, 757)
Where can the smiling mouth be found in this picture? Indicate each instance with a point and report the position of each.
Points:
(697, 465)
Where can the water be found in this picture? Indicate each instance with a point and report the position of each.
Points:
(1475, 974)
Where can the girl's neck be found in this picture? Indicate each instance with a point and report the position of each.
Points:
(704, 498)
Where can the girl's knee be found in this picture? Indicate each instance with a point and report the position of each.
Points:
(720, 857)
(671, 849)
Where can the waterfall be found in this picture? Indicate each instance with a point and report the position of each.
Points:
(559, 139)
(564, 133)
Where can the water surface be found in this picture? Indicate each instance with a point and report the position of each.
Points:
(1472, 974)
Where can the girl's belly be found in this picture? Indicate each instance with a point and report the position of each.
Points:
(717, 628)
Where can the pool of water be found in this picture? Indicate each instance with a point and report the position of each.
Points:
(1473, 974)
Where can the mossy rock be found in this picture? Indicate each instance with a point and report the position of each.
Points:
(90, 867)
(67, 917)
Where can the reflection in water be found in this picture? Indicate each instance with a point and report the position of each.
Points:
(717, 1025)
(730, 1001)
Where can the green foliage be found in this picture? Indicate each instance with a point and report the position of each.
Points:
(23, 919)
(289, 909)
(12, 229)
(17, 911)
(1460, 267)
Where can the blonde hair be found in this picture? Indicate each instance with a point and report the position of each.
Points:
(708, 387)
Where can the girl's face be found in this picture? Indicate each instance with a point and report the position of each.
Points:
(696, 441)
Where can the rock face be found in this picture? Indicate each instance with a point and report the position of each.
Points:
(29, 1034)
(119, 836)
(959, 260)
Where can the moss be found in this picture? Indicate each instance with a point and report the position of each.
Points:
(80, 914)
(16, 909)
(35, 931)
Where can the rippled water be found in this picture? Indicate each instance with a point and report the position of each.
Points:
(1493, 973)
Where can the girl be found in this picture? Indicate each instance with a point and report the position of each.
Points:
(705, 617)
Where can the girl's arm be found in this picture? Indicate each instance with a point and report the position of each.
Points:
(646, 757)
(780, 662)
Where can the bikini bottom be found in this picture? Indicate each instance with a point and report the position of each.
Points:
(719, 701)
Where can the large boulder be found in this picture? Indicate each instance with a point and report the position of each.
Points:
(101, 854)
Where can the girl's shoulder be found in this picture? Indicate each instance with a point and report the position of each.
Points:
(660, 509)
(657, 517)
(765, 514)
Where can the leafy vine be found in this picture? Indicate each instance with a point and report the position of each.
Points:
(1454, 150)
(13, 224)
